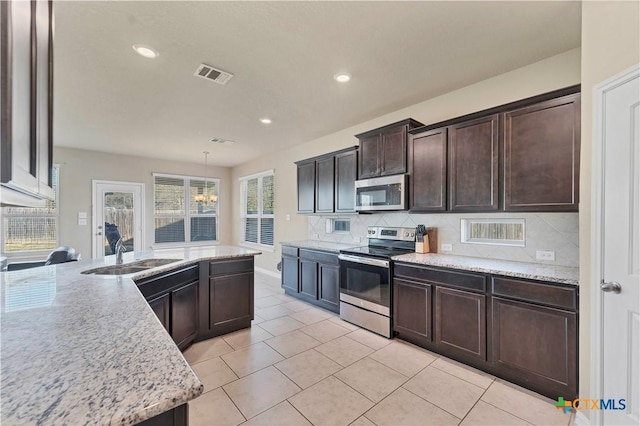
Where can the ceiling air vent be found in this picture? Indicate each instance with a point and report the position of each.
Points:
(213, 74)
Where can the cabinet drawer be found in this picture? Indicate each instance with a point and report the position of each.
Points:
(152, 286)
(290, 251)
(319, 256)
(457, 279)
(232, 266)
(561, 297)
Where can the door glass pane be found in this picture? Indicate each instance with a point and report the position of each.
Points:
(118, 220)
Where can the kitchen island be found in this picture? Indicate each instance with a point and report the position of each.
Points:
(88, 349)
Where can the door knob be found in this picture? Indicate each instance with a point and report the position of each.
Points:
(99, 233)
(613, 287)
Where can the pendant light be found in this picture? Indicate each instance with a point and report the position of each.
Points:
(206, 197)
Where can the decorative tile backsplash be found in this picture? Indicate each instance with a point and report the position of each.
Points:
(557, 232)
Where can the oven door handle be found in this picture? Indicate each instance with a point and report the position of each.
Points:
(364, 260)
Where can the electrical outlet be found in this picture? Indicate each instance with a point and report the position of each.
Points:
(545, 255)
(446, 247)
(287, 217)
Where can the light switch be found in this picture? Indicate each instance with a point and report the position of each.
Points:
(82, 218)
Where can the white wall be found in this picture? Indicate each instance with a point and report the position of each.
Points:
(79, 167)
(610, 44)
(549, 74)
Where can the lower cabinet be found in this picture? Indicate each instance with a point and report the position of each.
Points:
(174, 297)
(226, 296)
(312, 276)
(520, 330)
(460, 322)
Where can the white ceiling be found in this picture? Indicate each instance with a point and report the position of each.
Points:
(284, 56)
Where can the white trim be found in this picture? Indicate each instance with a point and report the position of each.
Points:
(597, 166)
(184, 176)
(160, 246)
(267, 272)
(256, 175)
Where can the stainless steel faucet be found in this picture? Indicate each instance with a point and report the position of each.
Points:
(120, 248)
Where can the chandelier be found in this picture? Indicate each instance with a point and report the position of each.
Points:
(208, 194)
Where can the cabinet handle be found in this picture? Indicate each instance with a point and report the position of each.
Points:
(611, 287)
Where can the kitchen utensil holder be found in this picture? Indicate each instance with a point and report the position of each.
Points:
(423, 247)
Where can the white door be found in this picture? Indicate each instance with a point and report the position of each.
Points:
(117, 213)
(617, 257)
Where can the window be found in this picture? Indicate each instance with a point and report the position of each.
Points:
(504, 232)
(257, 195)
(29, 229)
(185, 209)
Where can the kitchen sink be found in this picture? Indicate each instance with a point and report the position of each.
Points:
(116, 270)
(152, 263)
(129, 268)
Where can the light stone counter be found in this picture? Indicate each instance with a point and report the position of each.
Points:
(532, 271)
(88, 349)
(319, 245)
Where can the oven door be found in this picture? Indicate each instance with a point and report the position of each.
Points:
(386, 193)
(364, 282)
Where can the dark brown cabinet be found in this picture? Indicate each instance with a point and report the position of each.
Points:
(412, 309)
(521, 330)
(226, 295)
(174, 298)
(542, 156)
(326, 183)
(460, 322)
(306, 186)
(534, 330)
(318, 276)
(383, 151)
(346, 165)
(428, 169)
(26, 101)
(474, 165)
(290, 269)
(184, 312)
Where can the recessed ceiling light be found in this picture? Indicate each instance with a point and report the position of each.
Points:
(265, 120)
(146, 51)
(342, 77)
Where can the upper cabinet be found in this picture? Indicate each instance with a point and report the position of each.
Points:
(326, 184)
(542, 156)
(26, 102)
(383, 151)
(519, 157)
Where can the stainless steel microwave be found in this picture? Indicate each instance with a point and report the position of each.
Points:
(384, 193)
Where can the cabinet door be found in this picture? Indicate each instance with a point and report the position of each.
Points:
(306, 187)
(309, 278)
(346, 174)
(542, 156)
(369, 158)
(290, 273)
(329, 285)
(231, 300)
(428, 168)
(536, 345)
(324, 185)
(412, 308)
(473, 165)
(394, 151)
(44, 97)
(160, 306)
(184, 314)
(460, 322)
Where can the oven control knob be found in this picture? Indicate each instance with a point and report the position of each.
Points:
(412, 234)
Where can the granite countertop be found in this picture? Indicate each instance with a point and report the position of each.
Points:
(320, 245)
(533, 271)
(88, 349)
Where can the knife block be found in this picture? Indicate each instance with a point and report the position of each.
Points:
(429, 242)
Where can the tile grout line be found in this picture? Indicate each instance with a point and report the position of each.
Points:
(437, 406)
(464, 380)
(234, 403)
(476, 403)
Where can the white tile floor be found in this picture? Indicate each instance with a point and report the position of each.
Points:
(301, 365)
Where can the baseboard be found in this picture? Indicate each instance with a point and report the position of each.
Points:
(581, 419)
(267, 272)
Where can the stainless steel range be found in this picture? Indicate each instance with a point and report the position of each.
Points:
(365, 278)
